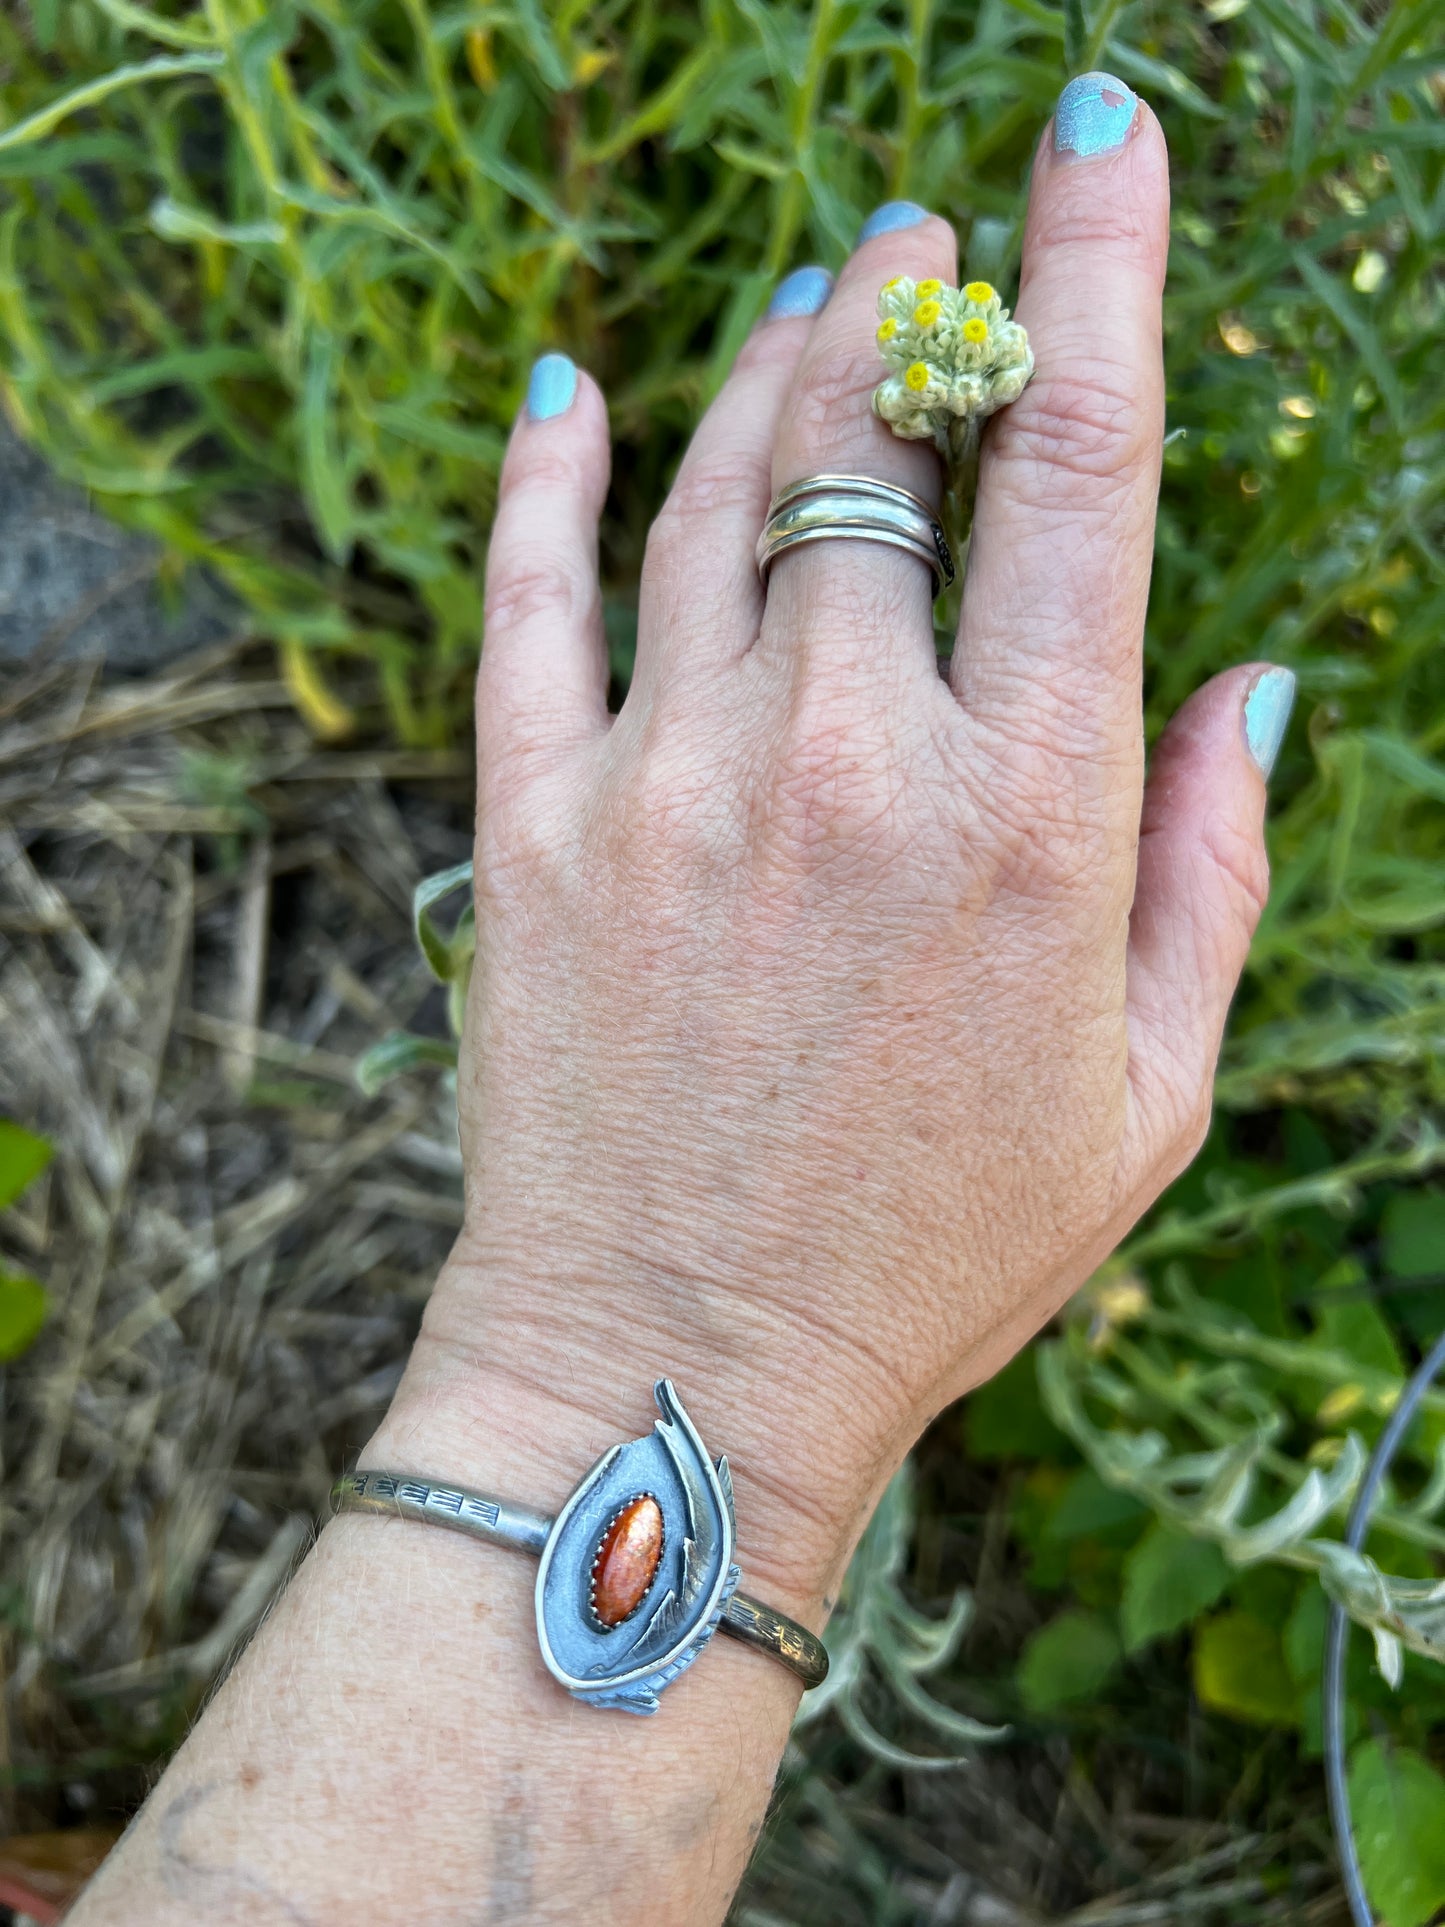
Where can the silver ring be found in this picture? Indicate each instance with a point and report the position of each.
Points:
(823, 508)
(691, 1591)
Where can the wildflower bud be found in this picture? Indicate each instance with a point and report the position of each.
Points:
(954, 358)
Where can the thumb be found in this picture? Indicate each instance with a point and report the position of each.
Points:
(1202, 881)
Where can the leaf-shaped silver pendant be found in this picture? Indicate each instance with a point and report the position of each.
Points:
(622, 1656)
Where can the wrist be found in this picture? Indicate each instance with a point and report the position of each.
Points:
(516, 1388)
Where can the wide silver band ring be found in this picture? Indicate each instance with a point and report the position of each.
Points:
(694, 1594)
(826, 508)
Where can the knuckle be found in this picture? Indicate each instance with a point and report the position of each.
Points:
(1056, 857)
(1066, 428)
(671, 818)
(1176, 1086)
(1057, 833)
(728, 484)
(521, 847)
(1232, 856)
(522, 746)
(835, 788)
(1238, 855)
(536, 470)
(1181, 1145)
(1198, 1123)
(762, 351)
(1120, 228)
(667, 813)
(542, 585)
(831, 403)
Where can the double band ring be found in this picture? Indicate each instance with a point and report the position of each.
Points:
(831, 507)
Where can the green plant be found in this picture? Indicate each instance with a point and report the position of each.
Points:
(449, 958)
(272, 275)
(879, 1645)
(270, 279)
(23, 1303)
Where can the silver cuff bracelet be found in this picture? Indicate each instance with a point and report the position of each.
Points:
(637, 1568)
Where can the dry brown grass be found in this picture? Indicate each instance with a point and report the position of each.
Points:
(235, 1241)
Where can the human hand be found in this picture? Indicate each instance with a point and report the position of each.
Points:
(832, 1020)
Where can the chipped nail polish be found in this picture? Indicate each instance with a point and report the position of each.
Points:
(892, 216)
(551, 388)
(802, 292)
(1094, 114)
(1266, 716)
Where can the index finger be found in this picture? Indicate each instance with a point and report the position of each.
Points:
(1050, 640)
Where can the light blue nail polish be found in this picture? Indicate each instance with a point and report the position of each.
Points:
(892, 216)
(1266, 716)
(802, 292)
(1094, 114)
(551, 388)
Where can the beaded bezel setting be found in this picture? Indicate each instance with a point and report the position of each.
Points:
(627, 1664)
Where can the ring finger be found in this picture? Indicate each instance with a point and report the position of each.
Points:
(856, 601)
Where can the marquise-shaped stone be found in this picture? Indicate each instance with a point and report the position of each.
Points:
(626, 1560)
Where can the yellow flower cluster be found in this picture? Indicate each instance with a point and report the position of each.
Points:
(954, 357)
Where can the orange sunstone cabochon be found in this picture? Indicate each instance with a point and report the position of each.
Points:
(637, 1569)
(626, 1560)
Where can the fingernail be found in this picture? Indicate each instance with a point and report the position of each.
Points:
(892, 216)
(1266, 716)
(1094, 114)
(802, 292)
(551, 388)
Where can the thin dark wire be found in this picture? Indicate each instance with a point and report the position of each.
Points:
(1337, 1636)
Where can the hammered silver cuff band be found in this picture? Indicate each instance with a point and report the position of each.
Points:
(636, 1570)
(823, 508)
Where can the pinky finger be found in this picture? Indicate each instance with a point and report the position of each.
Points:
(543, 678)
(1202, 882)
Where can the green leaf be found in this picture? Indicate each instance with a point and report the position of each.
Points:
(1398, 1804)
(1066, 1661)
(174, 221)
(398, 1052)
(23, 1305)
(441, 953)
(482, 446)
(1158, 77)
(1076, 34)
(1416, 903)
(1406, 764)
(1304, 1635)
(1240, 1669)
(23, 1156)
(174, 33)
(218, 362)
(1412, 1234)
(323, 465)
(1005, 1419)
(1169, 1579)
(92, 92)
(1357, 1329)
(1090, 1508)
(1357, 328)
